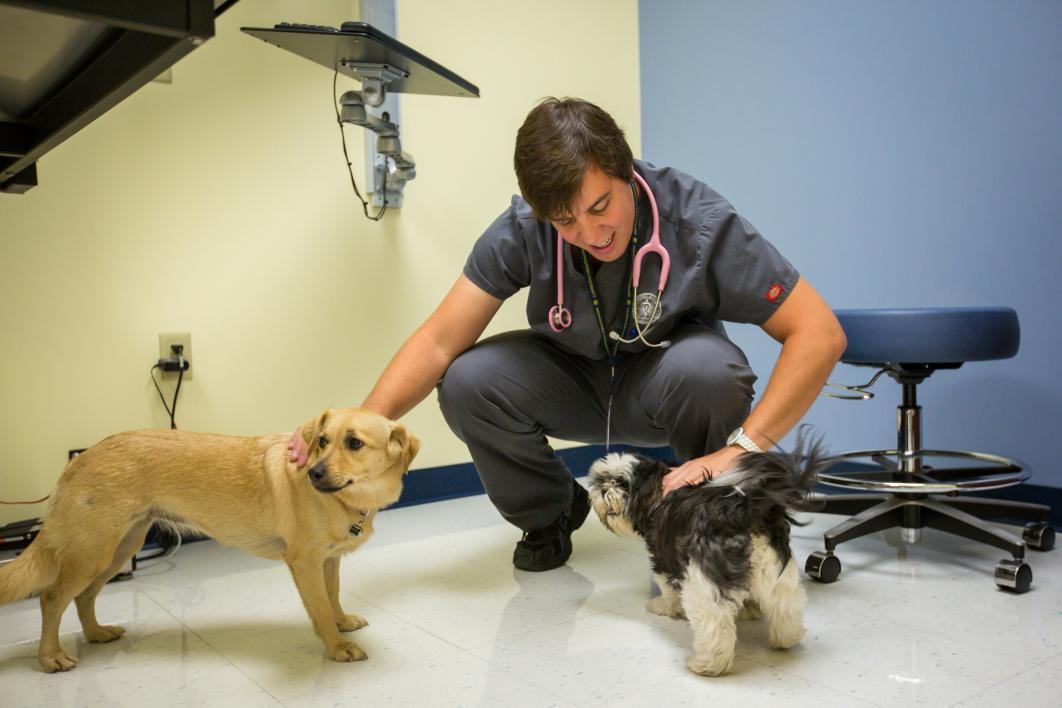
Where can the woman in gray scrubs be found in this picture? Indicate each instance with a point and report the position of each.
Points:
(502, 396)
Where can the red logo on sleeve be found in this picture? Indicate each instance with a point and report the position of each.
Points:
(774, 293)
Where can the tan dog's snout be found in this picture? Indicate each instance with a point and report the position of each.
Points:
(319, 477)
(318, 473)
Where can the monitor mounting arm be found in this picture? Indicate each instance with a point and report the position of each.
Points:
(393, 166)
(385, 67)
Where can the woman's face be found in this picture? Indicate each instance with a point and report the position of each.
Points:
(602, 216)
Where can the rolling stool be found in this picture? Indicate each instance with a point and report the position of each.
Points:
(917, 487)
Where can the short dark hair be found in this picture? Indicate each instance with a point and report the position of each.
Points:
(559, 140)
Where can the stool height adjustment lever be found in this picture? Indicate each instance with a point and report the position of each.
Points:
(860, 391)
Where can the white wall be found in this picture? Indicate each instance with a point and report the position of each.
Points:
(220, 205)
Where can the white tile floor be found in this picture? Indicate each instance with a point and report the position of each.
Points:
(453, 624)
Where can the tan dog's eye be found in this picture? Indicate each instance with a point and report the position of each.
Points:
(353, 443)
(322, 442)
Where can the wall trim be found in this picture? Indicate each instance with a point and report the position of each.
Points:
(434, 484)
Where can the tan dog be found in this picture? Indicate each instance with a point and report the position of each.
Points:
(241, 491)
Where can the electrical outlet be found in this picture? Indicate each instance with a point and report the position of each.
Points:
(183, 338)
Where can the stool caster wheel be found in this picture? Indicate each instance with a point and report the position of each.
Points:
(823, 566)
(1039, 536)
(1013, 575)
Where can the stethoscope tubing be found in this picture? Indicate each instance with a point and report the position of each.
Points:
(654, 245)
(560, 317)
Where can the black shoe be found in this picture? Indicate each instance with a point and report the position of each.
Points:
(548, 548)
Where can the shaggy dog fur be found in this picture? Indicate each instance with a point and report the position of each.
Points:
(717, 546)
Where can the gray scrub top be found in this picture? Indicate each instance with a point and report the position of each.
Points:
(722, 269)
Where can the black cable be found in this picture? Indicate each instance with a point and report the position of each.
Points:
(176, 392)
(350, 167)
(171, 411)
(161, 397)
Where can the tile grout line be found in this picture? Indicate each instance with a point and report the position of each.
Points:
(986, 689)
(962, 642)
(211, 646)
(1027, 665)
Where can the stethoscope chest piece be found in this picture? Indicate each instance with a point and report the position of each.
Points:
(560, 317)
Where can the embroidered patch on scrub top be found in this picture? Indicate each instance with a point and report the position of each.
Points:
(647, 309)
(775, 292)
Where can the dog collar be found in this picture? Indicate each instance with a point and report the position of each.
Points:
(355, 528)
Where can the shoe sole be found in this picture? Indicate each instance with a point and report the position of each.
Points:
(539, 569)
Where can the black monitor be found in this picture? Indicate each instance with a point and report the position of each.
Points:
(64, 63)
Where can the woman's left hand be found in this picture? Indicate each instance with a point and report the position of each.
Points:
(699, 469)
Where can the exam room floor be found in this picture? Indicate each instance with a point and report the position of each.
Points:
(452, 623)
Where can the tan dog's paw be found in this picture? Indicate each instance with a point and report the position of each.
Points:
(351, 622)
(347, 651)
(664, 608)
(104, 633)
(57, 660)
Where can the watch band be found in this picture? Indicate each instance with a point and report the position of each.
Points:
(739, 438)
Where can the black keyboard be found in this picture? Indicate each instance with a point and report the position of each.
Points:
(300, 26)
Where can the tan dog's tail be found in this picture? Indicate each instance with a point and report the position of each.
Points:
(36, 568)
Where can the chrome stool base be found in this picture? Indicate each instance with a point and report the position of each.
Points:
(912, 472)
(917, 488)
(870, 513)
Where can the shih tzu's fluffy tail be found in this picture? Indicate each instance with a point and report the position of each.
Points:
(771, 479)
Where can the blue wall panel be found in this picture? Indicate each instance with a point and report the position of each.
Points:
(901, 154)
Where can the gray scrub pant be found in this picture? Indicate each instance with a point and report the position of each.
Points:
(503, 397)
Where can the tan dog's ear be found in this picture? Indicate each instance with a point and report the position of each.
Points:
(402, 446)
(311, 429)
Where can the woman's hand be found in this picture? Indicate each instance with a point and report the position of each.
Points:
(700, 469)
(298, 450)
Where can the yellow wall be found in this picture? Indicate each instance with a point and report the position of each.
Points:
(220, 206)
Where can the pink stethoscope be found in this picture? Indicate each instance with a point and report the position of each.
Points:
(560, 317)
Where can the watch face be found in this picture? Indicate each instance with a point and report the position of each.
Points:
(739, 438)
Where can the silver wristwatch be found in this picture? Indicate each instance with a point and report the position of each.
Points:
(739, 438)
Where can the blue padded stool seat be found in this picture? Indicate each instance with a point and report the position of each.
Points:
(929, 335)
(914, 487)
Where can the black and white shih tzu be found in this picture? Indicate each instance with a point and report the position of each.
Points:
(716, 546)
